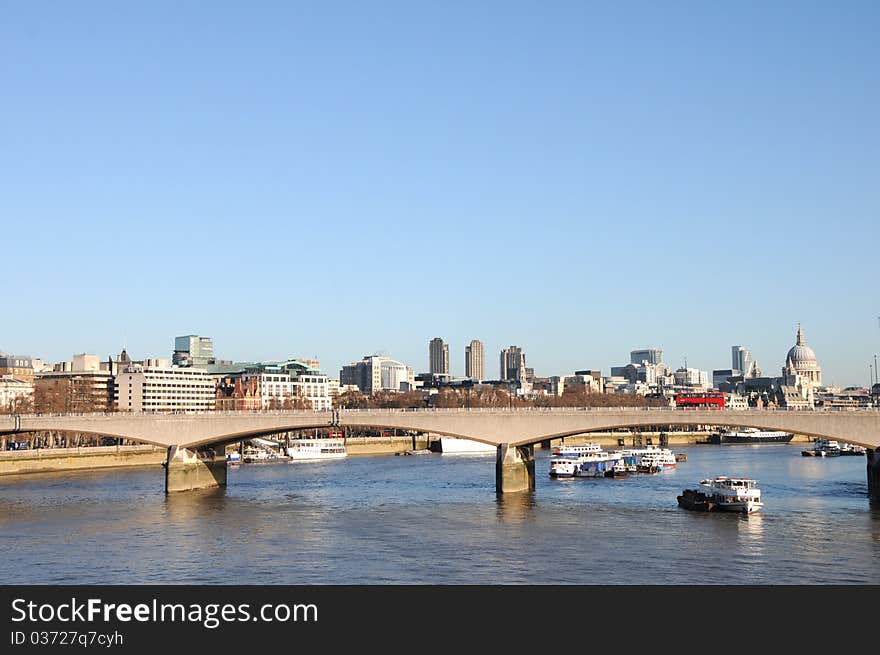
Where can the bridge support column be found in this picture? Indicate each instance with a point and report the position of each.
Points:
(187, 469)
(514, 468)
(874, 474)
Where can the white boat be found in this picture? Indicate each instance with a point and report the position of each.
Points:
(733, 494)
(823, 448)
(852, 449)
(592, 464)
(597, 465)
(233, 458)
(454, 445)
(649, 456)
(252, 455)
(315, 449)
(563, 467)
(563, 450)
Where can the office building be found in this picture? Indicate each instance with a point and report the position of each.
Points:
(741, 359)
(650, 355)
(473, 360)
(144, 388)
(192, 350)
(83, 384)
(377, 373)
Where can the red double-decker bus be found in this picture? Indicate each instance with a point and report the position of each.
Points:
(701, 400)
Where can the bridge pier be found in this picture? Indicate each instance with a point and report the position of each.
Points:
(186, 470)
(874, 474)
(514, 468)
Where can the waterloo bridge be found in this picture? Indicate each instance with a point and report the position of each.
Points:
(195, 441)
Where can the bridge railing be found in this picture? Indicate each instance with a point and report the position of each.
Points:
(440, 410)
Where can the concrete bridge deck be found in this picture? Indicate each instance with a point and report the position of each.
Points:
(512, 431)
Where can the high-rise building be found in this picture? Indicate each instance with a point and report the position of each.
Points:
(438, 356)
(650, 355)
(741, 359)
(192, 350)
(513, 364)
(473, 360)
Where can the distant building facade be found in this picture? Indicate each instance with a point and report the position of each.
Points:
(438, 356)
(83, 384)
(650, 355)
(513, 364)
(193, 350)
(740, 360)
(140, 388)
(377, 373)
(18, 366)
(473, 360)
(16, 396)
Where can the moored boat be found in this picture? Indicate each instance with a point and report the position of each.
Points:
(619, 470)
(723, 494)
(750, 435)
(315, 449)
(823, 448)
(563, 467)
(456, 446)
(564, 450)
(696, 500)
(848, 449)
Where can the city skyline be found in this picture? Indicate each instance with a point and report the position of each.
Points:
(332, 371)
(712, 167)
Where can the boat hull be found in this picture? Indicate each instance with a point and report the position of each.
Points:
(739, 439)
(695, 501)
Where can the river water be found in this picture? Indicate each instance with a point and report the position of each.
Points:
(436, 519)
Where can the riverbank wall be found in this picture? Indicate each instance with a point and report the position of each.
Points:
(48, 460)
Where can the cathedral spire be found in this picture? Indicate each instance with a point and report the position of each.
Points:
(800, 336)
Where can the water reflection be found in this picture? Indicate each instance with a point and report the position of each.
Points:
(516, 507)
(750, 532)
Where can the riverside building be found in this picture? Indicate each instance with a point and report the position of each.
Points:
(16, 396)
(83, 384)
(145, 388)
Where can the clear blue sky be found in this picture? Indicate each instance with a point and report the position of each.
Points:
(346, 178)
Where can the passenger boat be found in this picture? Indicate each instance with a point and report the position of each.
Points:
(314, 449)
(564, 450)
(455, 446)
(252, 455)
(593, 464)
(851, 449)
(563, 467)
(654, 456)
(233, 458)
(619, 470)
(596, 465)
(823, 448)
(723, 494)
(750, 435)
